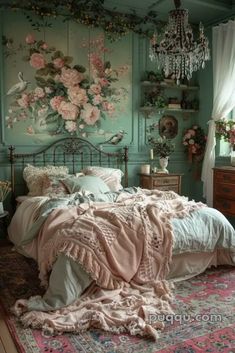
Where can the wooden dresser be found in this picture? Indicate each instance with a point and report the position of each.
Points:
(224, 190)
(161, 181)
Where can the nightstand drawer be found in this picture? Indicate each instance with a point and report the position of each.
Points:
(174, 188)
(162, 181)
(225, 190)
(223, 177)
(225, 206)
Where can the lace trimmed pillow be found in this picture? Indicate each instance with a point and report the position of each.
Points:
(111, 176)
(34, 176)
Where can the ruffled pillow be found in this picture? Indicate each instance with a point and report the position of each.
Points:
(34, 176)
(111, 176)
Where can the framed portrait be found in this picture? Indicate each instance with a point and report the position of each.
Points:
(168, 126)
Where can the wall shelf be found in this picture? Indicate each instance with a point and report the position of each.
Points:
(171, 86)
(148, 110)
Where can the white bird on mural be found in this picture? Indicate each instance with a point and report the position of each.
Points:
(115, 139)
(18, 87)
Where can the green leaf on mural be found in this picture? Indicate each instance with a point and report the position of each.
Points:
(50, 82)
(80, 68)
(107, 65)
(57, 54)
(68, 59)
(43, 72)
(51, 118)
(41, 81)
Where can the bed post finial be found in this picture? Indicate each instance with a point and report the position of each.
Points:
(125, 164)
(12, 160)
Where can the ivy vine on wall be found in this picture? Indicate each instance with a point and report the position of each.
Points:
(92, 13)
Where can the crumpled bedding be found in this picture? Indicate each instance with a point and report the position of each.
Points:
(201, 229)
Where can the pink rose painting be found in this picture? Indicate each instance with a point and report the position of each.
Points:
(62, 93)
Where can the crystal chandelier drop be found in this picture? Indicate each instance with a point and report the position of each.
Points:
(177, 53)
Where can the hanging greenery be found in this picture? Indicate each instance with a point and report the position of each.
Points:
(92, 13)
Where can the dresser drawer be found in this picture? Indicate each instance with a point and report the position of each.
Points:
(225, 206)
(223, 177)
(162, 181)
(174, 188)
(225, 190)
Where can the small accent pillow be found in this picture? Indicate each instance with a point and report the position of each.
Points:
(34, 176)
(52, 186)
(111, 176)
(90, 183)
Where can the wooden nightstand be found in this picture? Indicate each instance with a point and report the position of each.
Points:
(164, 182)
(224, 190)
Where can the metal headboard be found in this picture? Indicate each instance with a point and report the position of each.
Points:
(74, 152)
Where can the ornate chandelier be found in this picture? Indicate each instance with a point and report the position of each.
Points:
(178, 54)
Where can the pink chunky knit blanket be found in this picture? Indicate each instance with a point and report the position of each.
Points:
(126, 248)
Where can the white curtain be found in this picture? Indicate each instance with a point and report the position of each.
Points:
(223, 56)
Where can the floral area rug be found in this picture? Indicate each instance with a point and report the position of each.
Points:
(204, 319)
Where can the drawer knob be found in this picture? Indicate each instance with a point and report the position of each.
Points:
(226, 189)
(226, 205)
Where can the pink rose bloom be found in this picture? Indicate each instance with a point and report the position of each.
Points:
(90, 114)
(55, 102)
(58, 63)
(97, 99)
(77, 95)
(70, 126)
(95, 89)
(103, 82)
(109, 107)
(30, 39)
(70, 77)
(96, 64)
(24, 101)
(192, 132)
(187, 136)
(37, 61)
(39, 92)
(44, 46)
(68, 111)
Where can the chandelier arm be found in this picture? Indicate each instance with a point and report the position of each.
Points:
(177, 3)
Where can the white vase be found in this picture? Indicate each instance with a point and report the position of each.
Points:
(163, 161)
(1, 207)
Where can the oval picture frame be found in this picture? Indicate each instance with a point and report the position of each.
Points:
(168, 126)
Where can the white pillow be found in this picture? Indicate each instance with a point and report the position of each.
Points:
(111, 176)
(34, 176)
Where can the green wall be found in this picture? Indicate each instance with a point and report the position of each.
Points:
(130, 51)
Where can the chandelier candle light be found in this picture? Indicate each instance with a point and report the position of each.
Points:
(177, 53)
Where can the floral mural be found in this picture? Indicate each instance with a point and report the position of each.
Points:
(64, 98)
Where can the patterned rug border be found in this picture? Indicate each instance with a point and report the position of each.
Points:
(5, 314)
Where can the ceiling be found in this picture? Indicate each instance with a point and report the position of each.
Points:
(208, 11)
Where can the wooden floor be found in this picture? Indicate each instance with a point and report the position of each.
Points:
(6, 343)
